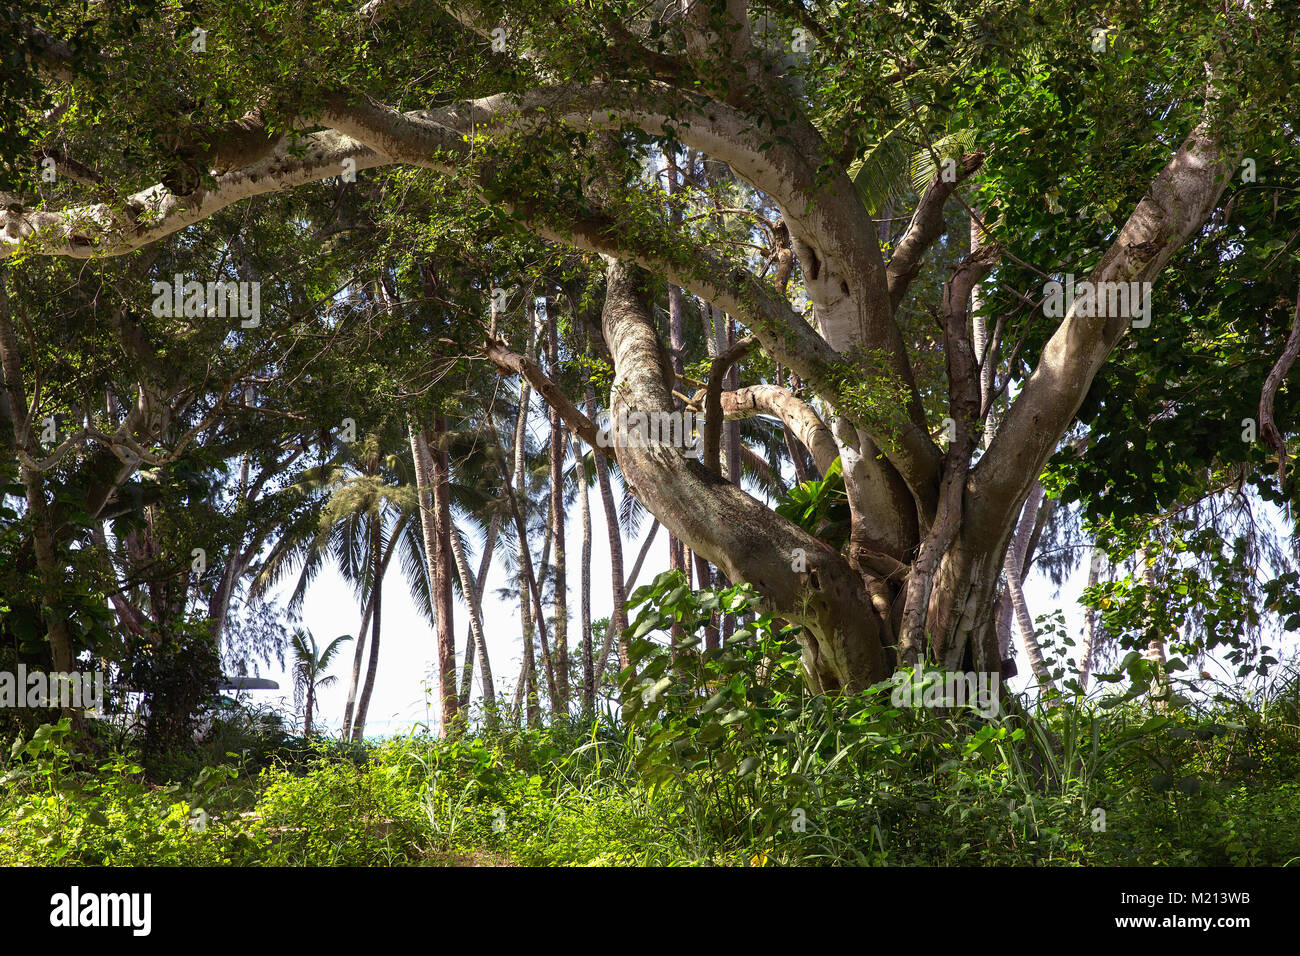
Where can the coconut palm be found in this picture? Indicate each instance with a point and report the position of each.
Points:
(309, 666)
(357, 514)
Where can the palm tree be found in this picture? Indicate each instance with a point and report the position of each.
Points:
(309, 664)
(360, 515)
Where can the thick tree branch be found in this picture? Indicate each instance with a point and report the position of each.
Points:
(782, 404)
(713, 401)
(746, 540)
(926, 227)
(573, 416)
(1267, 426)
(1179, 202)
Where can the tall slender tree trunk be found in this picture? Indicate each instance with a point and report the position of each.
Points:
(1090, 620)
(424, 459)
(584, 599)
(558, 435)
(443, 605)
(618, 619)
(467, 665)
(377, 590)
(1014, 567)
(1155, 652)
(358, 659)
(723, 339)
(480, 583)
(472, 651)
(630, 583)
(704, 575)
(676, 348)
(478, 643)
(528, 665)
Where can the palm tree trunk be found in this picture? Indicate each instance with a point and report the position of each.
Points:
(584, 600)
(1014, 565)
(466, 668)
(618, 619)
(478, 644)
(640, 557)
(704, 576)
(531, 588)
(1156, 645)
(528, 666)
(1089, 621)
(558, 448)
(358, 658)
(377, 591)
(471, 651)
(429, 483)
(480, 582)
(450, 702)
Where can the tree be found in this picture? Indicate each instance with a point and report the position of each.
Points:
(309, 666)
(1139, 149)
(360, 520)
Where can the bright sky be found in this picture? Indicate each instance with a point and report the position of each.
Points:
(403, 694)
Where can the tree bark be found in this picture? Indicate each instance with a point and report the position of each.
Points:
(478, 645)
(377, 565)
(744, 538)
(442, 596)
(584, 600)
(618, 618)
(560, 625)
(1089, 641)
(1014, 568)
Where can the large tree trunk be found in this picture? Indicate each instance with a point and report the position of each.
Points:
(930, 529)
(745, 539)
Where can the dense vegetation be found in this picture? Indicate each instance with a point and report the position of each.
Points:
(758, 773)
(848, 782)
(423, 293)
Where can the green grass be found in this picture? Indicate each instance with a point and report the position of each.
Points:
(832, 782)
